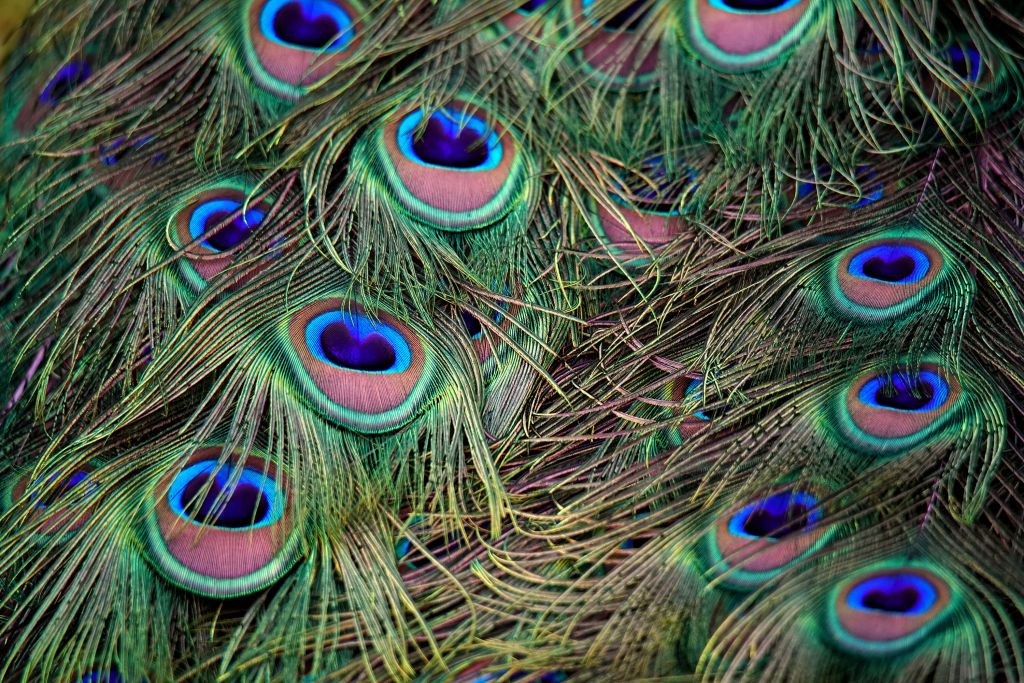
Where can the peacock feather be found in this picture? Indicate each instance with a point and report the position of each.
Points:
(561, 340)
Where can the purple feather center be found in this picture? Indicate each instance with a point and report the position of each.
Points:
(296, 25)
(755, 5)
(445, 143)
(532, 5)
(776, 521)
(372, 353)
(905, 395)
(228, 236)
(207, 502)
(628, 18)
(899, 598)
(894, 268)
(65, 81)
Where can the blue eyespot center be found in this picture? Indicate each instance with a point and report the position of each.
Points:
(208, 222)
(695, 392)
(901, 264)
(777, 516)
(113, 152)
(355, 342)
(877, 190)
(920, 392)
(754, 6)
(101, 677)
(207, 493)
(965, 61)
(116, 151)
(307, 24)
(654, 189)
(893, 593)
(472, 325)
(867, 43)
(532, 6)
(546, 677)
(450, 139)
(47, 498)
(68, 78)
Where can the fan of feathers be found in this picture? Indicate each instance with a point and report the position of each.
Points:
(485, 341)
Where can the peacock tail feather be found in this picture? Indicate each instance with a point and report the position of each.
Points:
(565, 340)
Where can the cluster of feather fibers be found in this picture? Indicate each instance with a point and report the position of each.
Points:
(577, 340)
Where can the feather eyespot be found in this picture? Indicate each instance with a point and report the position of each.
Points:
(689, 391)
(956, 70)
(893, 263)
(453, 169)
(883, 278)
(505, 675)
(221, 528)
(889, 609)
(478, 334)
(741, 35)
(67, 79)
(755, 5)
(41, 500)
(614, 49)
(695, 392)
(121, 161)
(371, 375)
(648, 208)
(47, 95)
(966, 62)
(209, 226)
(292, 44)
(896, 410)
(59, 502)
(222, 224)
(532, 6)
(472, 325)
(343, 343)
(102, 676)
(756, 541)
(113, 153)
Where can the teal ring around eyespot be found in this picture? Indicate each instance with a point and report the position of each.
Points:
(761, 59)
